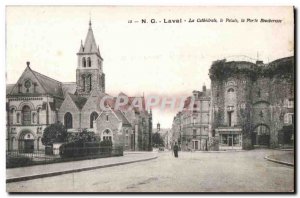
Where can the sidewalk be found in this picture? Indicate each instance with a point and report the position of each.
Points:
(286, 158)
(48, 170)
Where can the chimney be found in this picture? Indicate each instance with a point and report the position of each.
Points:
(27, 63)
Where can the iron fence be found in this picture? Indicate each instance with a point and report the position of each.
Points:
(20, 158)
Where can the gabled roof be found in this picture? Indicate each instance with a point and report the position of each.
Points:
(78, 100)
(48, 85)
(122, 117)
(9, 87)
(69, 87)
(51, 86)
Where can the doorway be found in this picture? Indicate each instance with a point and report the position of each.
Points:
(28, 146)
(26, 142)
(261, 135)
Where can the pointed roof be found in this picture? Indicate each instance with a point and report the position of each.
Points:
(90, 45)
(49, 85)
(9, 87)
(68, 87)
(122, 117)
(78, 100)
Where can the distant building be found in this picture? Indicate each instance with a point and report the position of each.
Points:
(191, 126)
(177, 129)
(252, 103)
(165, 134)
(37, 101)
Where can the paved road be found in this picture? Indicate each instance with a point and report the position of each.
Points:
(201, 172)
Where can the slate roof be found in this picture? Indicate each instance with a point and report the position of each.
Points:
(51, 86)
(9, 87)
(78, 100)
(69, 87)
(122, 117)
(90, 45)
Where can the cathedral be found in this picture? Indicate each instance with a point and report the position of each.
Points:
(36, 101)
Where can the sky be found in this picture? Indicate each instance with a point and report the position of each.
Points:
(152, 59)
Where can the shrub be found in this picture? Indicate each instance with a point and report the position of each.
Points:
(12, 161)
(79, 148)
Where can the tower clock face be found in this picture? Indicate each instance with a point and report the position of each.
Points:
(27, 84)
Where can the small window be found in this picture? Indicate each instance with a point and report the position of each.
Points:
(290, 103)
(83, 62)
(261, 114)
(258, 93)
(289, 118)
(243, 106)
(19, 88)
(230, 90)
(230, 108)
(89, 62)
(18, 118)
(194, 133)
(107, 118)
(33, 118)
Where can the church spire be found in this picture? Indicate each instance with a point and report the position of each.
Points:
(90, 45)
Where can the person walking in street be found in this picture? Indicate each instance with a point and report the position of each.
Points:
(175, 149)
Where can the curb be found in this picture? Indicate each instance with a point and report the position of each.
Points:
(17, 179)
(279, 162)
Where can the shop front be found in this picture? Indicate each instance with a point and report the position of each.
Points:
(230, 138)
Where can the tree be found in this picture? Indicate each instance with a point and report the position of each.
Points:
(54, 133)
(285, 135)
(82, 137)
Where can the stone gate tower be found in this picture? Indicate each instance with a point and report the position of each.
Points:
(89, 73)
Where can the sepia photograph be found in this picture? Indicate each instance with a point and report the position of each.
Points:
(150, 99)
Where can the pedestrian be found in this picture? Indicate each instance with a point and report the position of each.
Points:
(175, 149)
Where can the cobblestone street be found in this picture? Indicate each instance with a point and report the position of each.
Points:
(244, 171)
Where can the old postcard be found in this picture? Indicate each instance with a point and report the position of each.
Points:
(150, 99)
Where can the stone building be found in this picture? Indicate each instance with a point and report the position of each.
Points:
(191, 125)
(37, 101)
(177, 129)
(252, 103)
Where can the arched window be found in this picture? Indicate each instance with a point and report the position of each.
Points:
(289, 118)
(83, 62)
(18, 118)
(68, 121)
(89, 82)
(93, 117)
(33, 117)
(38, 115)
(107, 135)
(262, 130)
(258, 93)
(83, 82)
(230, 90)
(89, 62)
(26, 115)
(38, 143)
(11, 116)
(12, 143)
(126, 138)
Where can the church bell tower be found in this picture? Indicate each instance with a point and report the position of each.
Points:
(89, 72)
